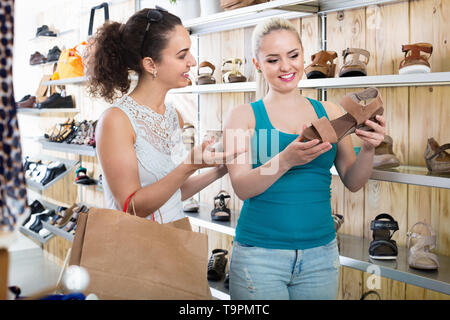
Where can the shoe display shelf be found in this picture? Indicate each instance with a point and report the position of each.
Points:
(354, 253)
(58, 34)
(44, 64)
(202, 218)
(395, 80)
(83, 150)
(288, 9)
(70, 166)
(409, 175)
(218, 290)
(35, 235)
(77, 81)
(36, 111)
(57, 231)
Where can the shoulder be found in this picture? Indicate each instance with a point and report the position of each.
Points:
(333, 110)
(241, 116)
(112, 119)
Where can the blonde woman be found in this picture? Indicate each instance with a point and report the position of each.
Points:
(285, 245)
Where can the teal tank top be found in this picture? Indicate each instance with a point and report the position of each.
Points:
(295, 211)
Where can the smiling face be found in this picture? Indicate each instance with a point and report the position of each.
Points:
(176, 60)
(280, 59)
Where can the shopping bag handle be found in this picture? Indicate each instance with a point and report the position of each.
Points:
(104, 5)
(127, 202)
(125, 207)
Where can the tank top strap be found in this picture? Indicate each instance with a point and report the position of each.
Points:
(261, 117)
(318, 107)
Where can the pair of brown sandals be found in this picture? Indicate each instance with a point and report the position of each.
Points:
(230, 72)
(436, 157)
(323, 65)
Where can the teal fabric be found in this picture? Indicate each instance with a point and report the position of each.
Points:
(295, 211)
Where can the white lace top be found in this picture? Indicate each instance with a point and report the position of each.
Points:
(159, 150)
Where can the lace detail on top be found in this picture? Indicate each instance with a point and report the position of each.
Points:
(157, 136)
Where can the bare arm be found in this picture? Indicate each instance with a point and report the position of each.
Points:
(118, 159)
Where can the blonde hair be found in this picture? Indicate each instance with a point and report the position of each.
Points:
(261, 30)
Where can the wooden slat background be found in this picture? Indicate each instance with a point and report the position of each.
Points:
(413, 115)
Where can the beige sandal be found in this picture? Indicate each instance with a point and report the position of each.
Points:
(354, 67)
(419, 246)
(233, 74)
(436, 158)
(384, 155)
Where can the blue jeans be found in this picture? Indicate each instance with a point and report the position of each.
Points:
(259, 273)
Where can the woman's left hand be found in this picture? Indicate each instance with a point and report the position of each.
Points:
(372, 139)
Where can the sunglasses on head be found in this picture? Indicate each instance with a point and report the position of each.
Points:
(153, 16)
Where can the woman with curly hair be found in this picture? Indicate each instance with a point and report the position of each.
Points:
(138, 137)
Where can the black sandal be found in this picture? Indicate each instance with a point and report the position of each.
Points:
(220, 211)
(382, 246)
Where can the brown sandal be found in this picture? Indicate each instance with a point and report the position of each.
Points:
(414, 62)
(322, 65)
(354, 67)
(419, 246)
(205, 77)
(384, 155)
(333, 131)
(436, 158)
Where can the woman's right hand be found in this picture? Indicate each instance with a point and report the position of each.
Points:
(298, 153)
(203, 156)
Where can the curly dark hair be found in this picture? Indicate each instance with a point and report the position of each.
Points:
(116, 49)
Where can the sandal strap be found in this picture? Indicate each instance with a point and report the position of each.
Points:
(322, 57)
(383, 242)
(417, 47)
(414, 255)
(325, 129)
(378, 224)
(356, 52)
(361, 113)
(206, 64)
(422, 240)
(438, 151)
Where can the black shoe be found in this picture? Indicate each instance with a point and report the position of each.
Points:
(56, 101)
(36, 207)
(44, 31)
(45, 216)
(53, 170)
(216, 264)
(226, 282)
(53, 54)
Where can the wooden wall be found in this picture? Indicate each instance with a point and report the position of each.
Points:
(413, 115)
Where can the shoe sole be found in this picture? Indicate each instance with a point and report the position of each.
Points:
(414, 69)
(383, 257)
